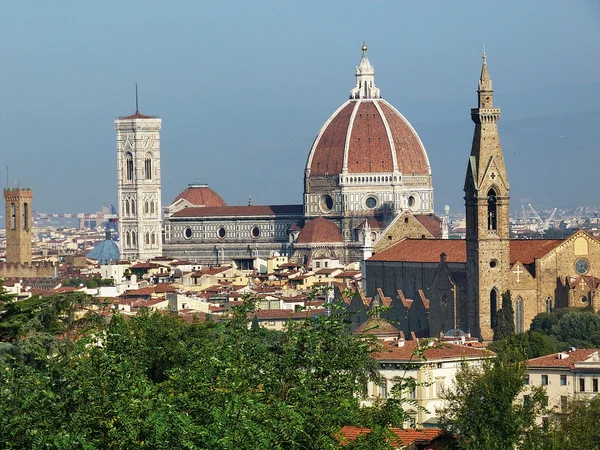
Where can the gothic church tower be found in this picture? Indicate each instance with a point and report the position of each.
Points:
(487, 210)
(138, 174)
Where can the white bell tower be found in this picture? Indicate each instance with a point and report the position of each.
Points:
(138, 175)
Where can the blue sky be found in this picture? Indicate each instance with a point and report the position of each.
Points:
(243, 88)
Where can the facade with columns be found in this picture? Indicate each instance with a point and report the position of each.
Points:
(366, 166)
(462, 281)
(139, 186)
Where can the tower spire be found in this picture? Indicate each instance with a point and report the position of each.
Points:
(137, 106)
(484, 89)
(365, 78)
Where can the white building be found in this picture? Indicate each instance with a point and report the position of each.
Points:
(566, 375)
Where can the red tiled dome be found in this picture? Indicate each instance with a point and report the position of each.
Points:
(367, 136)
(201, 195)
(320, 230)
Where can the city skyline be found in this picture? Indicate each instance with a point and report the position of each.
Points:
(243, 95)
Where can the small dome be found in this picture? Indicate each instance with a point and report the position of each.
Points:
(375, 326)
(105, 252)
(320, 230)
(200, 195)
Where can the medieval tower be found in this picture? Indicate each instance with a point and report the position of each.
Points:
(487, 210)
(139, 188)
(18, 225)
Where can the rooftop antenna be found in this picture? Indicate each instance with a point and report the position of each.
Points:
(7, 186)
(137, 109)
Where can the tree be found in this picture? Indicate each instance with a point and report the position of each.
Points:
(485, 409)
(571, 327)
(579, 427)
(505, 322)
(523, 346)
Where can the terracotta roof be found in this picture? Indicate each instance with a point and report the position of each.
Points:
(432, 223)
(209, 271)
(359, 128)
(320, 230)
(440, 351)
(528, 250)
(144, 266)
(376, 327)
(424, 250)
(284, 314)
(405, 436)
(567, 360)
(137, 115)
(201, 195)
(429, 250)
(373, 224)
(250, 210)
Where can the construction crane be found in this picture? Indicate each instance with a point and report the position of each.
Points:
(543, 225)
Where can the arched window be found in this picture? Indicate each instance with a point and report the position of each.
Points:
(146, 207)
(153, 237)
(132, 206)
(127, 239)
(492, 210)
(549, 306)
(152, 207)
(25, 216)
(126, 207)
(519, 315)
(147, 240)
(493, 307)
(129, 166)
(148, 166)
(133, 238)
(13, 216)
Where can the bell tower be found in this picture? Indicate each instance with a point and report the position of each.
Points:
(18, 225)
(487, 213)
(139, 186)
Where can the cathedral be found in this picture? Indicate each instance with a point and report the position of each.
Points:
(366, 166)
(433, 285)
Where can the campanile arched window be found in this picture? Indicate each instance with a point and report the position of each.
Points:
(26, 216)
(148, 166)
(492, 210)
(129, 166)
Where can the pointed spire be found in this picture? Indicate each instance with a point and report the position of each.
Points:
(485, 83)
(365, 78)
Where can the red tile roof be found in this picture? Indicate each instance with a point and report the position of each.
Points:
(429, 250)
(284, 314)
(432, 223)
(201, 195)
(137, 115)
(439, 351)
(377, 327)
(405, 436)
(567, 361)
(250, 210)
(320, 230)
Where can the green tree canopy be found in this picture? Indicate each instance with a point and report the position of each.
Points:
(484, 408)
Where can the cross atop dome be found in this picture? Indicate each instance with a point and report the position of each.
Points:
(365, 78)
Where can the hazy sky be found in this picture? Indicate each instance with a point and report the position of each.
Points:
(244, 87)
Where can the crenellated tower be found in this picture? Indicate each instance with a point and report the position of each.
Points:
(18, 224)
(139, 186)
(487, 213)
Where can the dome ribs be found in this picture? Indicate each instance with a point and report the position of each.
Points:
(410, 152)
(328, 157)
(369, 149)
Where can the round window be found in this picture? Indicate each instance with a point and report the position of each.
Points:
(255, 232)
(411, 201)
(493, 263)
(221, 233)
(583, 299)
(371, 202)
(326, 203)
(188, 233)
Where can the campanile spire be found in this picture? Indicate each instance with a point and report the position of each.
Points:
(365, 78)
